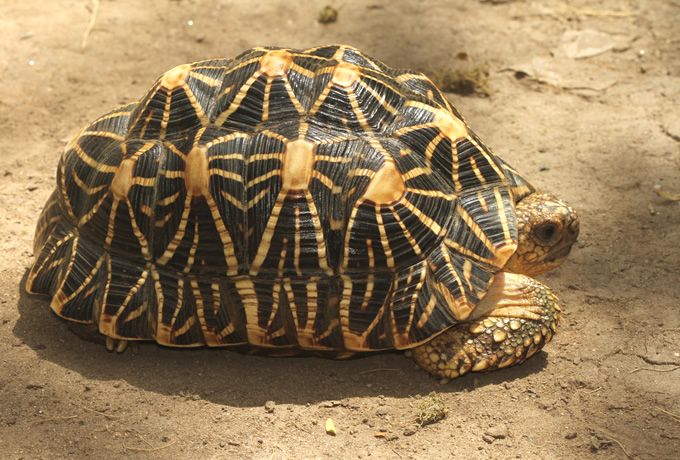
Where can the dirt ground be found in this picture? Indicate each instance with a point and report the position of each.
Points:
(584, 102)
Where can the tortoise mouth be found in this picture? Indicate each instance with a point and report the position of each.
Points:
(559, 253)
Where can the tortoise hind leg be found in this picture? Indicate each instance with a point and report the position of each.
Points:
(516, 318)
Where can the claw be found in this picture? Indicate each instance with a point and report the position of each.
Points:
(110, 343)
(122, 345)
(119, 345)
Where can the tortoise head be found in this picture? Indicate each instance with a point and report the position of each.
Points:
(547, 229)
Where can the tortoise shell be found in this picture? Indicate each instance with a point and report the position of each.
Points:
(313, 199)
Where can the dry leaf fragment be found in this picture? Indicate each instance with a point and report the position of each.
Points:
(330, 427)
(667, 195)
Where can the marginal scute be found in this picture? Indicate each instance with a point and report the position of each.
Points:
(298, 163)
(174, 78)
(196, 173)
(387, 186)
(276, 63)
(345, 74)
(504, 253)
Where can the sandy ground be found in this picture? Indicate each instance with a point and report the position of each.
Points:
(601, 131)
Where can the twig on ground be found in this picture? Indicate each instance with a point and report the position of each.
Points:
(99, 412)
(675, 417)
(150, 449)
(378, 370)
(654, 370)
(52, 419)
(90, 25)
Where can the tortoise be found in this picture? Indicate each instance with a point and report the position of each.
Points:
(297, 201)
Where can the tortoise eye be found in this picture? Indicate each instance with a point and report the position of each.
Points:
(546, 233)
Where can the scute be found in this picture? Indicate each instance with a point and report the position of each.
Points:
(285, 199)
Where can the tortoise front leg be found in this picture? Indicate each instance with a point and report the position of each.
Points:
(516, 318)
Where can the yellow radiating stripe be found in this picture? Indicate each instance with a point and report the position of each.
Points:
(256, 199)
(332, 159)
(325, 180)
(63, 299)
(432, 146)
(107, 134)
(276, 299)
(112, 219)
(233, 200)
(322, 252)
(165, 119)
(174, 174)
(324, 94)
(226, 156)
(265, 102)
(384, 239)
(488, 157)
(432, 193)
(465, 251)
(170, 146)
(177, 238)
(370, 285)
(301, 70)
(404, 77)
(409, 237)
(288, 288)
(416, 172)
(482, 201)
(84, 187)
(143, 243)
(265, 156)
(478, 172)
(269, 231)
(57, 245)
(144, 181)
(236, 103)
(226, 174)
(200, 114)
(170, 199)
(361, 118)
(263, 177)
(178, 308)
(297, 250)
(229, 329)
(93, 210)
(348, 234)
(291, 94)
(476, 229)
(208, 334)
(91, 162)
(427, 221)
(215, 83)
(429, 308)
(376, 95)
(503, 216)
(111, 319)
(192, 251)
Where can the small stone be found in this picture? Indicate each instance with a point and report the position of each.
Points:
(497, 431)
(571, 435)
(410, 431)
(381, 412)
(269, 406)
(391, 436)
